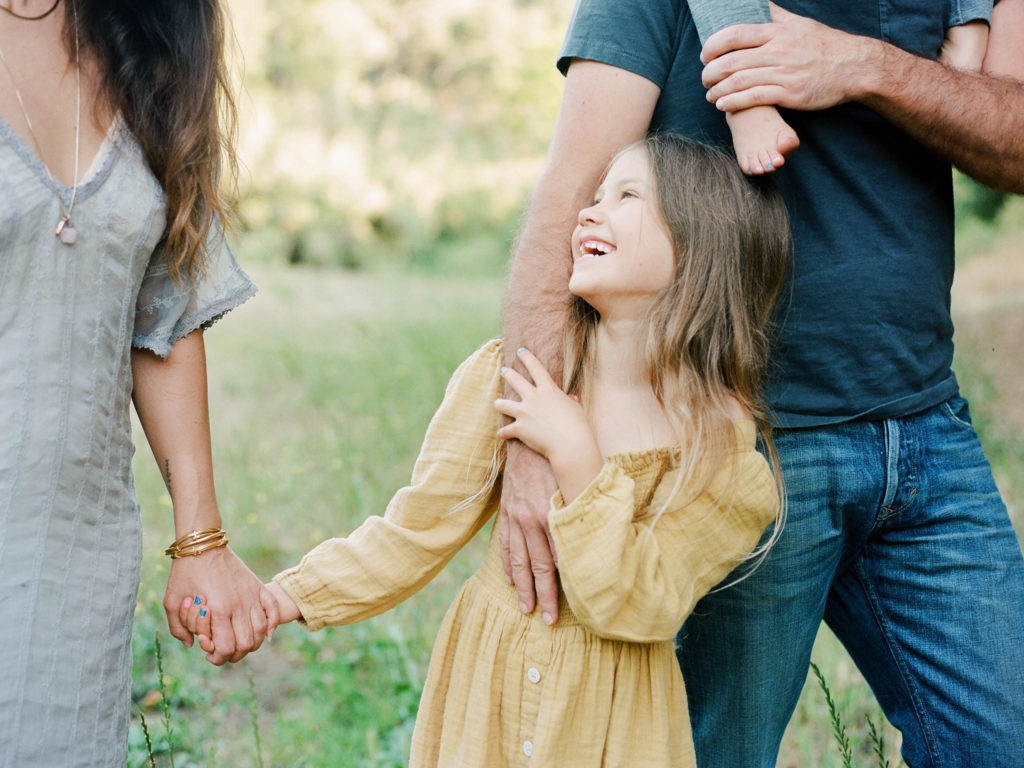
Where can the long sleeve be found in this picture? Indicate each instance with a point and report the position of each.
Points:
(630, 578)
(709, 16)
(389, 558)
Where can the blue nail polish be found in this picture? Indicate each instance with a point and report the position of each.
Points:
(197, 601)
(769, 166)
(202, 611)
(520, 350)
(504, 368)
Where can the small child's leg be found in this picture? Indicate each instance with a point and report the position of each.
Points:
(965, 45)
(761, 138)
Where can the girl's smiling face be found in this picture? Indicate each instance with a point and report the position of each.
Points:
(621, 249)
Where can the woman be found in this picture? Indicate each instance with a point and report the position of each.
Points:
(112, 261)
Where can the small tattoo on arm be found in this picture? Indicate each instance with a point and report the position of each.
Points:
(167, 473)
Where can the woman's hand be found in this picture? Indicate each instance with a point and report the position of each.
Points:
(551, 423)
(236, 612)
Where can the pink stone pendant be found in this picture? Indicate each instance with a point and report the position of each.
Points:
(66, 232)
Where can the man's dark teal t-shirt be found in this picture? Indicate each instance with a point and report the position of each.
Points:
(865, 329)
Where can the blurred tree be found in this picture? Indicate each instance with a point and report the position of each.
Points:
(384, 125)
(977, 201)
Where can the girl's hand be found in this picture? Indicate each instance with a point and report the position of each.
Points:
(551, 423)
(544, 417)
(286, 608)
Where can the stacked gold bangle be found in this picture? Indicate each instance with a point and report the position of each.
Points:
(197, 542)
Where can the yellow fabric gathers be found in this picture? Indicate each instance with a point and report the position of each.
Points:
(602, 686)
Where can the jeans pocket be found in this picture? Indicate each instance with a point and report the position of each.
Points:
(959, 412)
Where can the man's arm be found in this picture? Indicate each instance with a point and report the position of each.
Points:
(976, 121)
(603, 108)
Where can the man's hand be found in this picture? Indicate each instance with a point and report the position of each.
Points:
(972, 120)
(527, 551)
(793, 62)
(603, 109)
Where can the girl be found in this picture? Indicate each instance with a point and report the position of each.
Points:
(661, 491)
(111, 259)
(761, 138)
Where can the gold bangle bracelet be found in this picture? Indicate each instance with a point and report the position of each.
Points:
(190, 537)
(197, 542)
(196, 551)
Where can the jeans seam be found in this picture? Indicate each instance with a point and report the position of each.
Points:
(887, 513)
(931, 744)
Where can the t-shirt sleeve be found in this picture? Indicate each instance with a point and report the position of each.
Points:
(636, 577)
(168, 309)
(389, 558)
(638, 37)
(713, 15)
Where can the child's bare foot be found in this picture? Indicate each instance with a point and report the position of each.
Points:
(965, 46)
(761, 138)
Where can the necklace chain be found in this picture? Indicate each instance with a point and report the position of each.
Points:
(31, 18)
(65, 229)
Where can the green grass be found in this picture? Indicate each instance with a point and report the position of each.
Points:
(320, 391)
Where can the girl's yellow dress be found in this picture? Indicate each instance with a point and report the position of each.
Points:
(602, 686)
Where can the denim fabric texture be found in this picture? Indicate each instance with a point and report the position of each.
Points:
(897, 537)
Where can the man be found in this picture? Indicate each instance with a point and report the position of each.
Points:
(896, 536)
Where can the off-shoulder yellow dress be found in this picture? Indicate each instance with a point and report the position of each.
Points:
(602, 686)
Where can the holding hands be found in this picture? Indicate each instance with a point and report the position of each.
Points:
(216, 597)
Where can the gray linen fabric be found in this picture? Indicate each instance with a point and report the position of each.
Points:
(70, 536)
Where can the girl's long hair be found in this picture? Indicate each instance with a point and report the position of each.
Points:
(709, 332)
(163, 70)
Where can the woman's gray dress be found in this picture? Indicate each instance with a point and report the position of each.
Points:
(70, 536)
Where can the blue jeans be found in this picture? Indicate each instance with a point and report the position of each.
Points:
(898, 539)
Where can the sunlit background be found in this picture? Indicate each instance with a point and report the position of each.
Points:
(388, 148)
(403, 133)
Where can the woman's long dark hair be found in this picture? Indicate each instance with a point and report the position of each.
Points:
(163, 69)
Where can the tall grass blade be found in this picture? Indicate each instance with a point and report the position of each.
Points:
(168, 728)
(877, 743)
(149, 741)
(254, 711)
(838, 729)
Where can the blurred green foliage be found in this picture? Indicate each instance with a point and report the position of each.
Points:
(976, 201)
(392, 131)
(405, 132)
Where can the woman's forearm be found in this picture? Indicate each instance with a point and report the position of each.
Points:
(171, 400)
